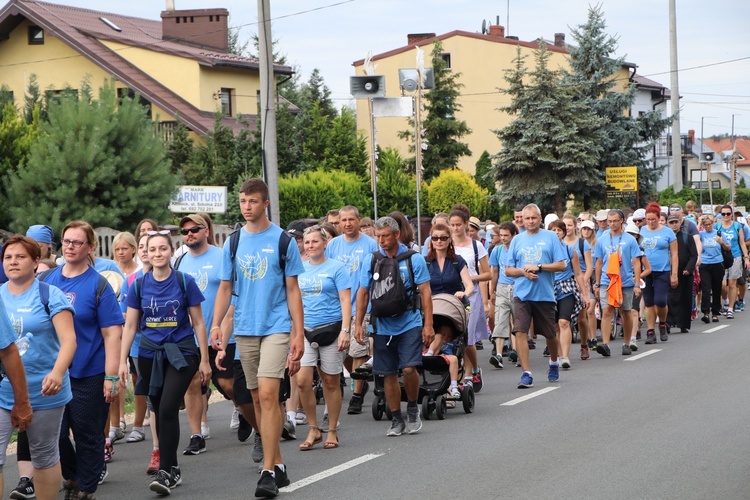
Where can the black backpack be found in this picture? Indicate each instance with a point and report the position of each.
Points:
(234, 243)
(389, 296)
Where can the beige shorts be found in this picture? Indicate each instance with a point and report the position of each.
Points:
(357, 350)
(263, 357)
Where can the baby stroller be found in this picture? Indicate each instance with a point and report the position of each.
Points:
(436, 380)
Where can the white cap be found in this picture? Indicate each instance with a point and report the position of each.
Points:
(639, 214)
(550, 218)
(601, 215)
(632, 229)
(588, 224)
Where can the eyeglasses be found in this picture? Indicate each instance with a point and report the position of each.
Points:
(164, 232)
(72, 243)
(675, 209)
(726, 214)
(194, 230)
(673, 222)
(441, 238)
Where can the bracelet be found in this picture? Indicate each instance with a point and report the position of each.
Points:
(114, 379)
(214, 328)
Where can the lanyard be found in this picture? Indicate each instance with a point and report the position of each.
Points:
(612, 246)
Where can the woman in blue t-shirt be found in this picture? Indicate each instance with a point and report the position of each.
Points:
(167, 306)
(711, 269)
(47, 343)
(326, 287)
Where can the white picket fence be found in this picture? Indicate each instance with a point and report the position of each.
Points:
(106, 235)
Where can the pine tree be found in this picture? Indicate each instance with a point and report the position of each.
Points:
(33, 99)
(550, 150)
(442, 129)
(625, 141)
(94, 160)
(483, 172)
(16, 139)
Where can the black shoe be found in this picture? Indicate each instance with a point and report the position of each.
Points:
(603, 349)
(505, 350)
(651, 337)
(684, 330)
(196, 447)
(663, 335)
(714, 319)
(365, 389)
(355, 405)
(102, 476)
(532, 345)
(162, 483)
(626, 350)
(175, 476)
(266, 486)
(546, 353)
(24, 490)
(705, 318)
(289, 431)
(282, 479)
(244, 430)
(479, 345)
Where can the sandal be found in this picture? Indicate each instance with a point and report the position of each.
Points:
(308, 445)
(136, 436)
(714, 319)
(331, 445)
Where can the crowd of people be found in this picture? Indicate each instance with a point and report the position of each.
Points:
(274, 314)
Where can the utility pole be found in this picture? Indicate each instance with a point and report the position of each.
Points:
(675, 99)
(708, 168)
(732, 186)
(268, 109)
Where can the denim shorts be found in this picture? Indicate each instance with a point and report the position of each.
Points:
(398, 351)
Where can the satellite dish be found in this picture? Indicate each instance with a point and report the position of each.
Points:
(484, 26)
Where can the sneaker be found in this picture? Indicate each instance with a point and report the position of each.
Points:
(454, 392)
(663, 335)
(468, 383)
(564, 362)
(136, 435)
(496, 361)
(527, 381)
(86, 496)
(282, 479)
(109, 450)
(633, 345)
(546, 353)
(730, 314)
(103, 474)
(532, 345)
(706, 319)
(257, 454)
(205, 430)
(512, 356)
(553, 374)
(116, 434)
(603, 349)
(413, 422)
(25, 488)
(324, 426)
(153, 465)
(585, 353)
(266, 485)
(476, 380)
(626, 350)
(234, 422)
(300, 418)
(397, 428)
(289, 431)
(741, 306)
(175, 476)
(650, 337)
(197, 445)
(355, 405)
(162, 483)
(506, 349)
(71, 490)
(479, 345)
(244, 430)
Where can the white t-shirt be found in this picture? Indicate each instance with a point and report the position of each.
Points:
(468, 254)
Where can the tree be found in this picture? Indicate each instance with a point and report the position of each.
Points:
(624, 140)
(442, 129)
(483, 172)
(94, 160)
(180, 151)
(33, 99)
(6, 96)
(551, 148)
(456, 186)
(16, 139)
(397, 189)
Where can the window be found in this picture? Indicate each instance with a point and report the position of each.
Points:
(226, 98)
(445, 56)
(58, 95)
(36, 35)
(122, 93)
(6, 96)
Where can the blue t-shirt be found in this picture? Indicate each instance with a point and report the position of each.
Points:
(164, 315)
(449, 279)
(655, 246)
(542, 247)
(89, 319)
(731, 236)
(261, 307)
(711, 253)
(410, 319)
(426, 246)
(628, 248)
(27, 315)
(204, 269)
(577, 249)
(499, 259)
(135, 346)
(567, 273)
(351, 254)
(320, 286)
(101, 265)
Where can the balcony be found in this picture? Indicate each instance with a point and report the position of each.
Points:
(663, 147)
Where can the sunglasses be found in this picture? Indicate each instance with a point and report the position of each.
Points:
(194, 230)
(674, 222)
(638, 220)
(163, 232)
(317, 228)
(726, 214)
(675, 209)
(441, 238)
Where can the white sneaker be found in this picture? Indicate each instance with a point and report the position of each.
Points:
(206, 431)
(564, 362)
(633, 344)
(455, 393)
(234, 423)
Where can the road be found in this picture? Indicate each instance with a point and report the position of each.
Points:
(668, 425)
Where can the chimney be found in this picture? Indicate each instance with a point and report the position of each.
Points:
(413, 38)
(560, 40)
(497, 30)
(205, 28)
(691, 136)
(170, 6)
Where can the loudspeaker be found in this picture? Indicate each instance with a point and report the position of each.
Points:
(707, 157)
(367, 86)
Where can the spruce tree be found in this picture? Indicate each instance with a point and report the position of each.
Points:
(94, 160)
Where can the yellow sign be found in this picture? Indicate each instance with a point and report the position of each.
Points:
(622, 178)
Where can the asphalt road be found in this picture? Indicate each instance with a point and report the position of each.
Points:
(671, 424)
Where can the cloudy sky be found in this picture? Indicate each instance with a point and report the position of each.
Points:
(713, 38)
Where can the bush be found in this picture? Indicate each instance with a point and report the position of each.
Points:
(457, 186)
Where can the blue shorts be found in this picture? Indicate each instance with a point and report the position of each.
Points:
(398, 351)
(657, 288)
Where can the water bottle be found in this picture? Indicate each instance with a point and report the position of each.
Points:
(23, 343)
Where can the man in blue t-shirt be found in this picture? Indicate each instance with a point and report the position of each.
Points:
(351, 248)
(399, 340)
(533, 259)
(616, 243)
(268, 339)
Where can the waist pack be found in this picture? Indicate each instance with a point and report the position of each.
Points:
(323, 335)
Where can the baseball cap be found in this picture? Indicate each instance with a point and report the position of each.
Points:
(672, 217)
(40, 233)
(601, 215)
(193, 218)
(296, 228)
(475, 222)
(632, 229)
(588, 224)
(639, 214)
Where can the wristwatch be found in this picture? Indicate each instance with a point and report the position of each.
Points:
(346, 330)
(539, 266)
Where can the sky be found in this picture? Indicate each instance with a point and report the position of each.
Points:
(713, 39)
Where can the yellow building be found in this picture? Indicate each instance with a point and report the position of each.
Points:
(179, 65)
(481, 59)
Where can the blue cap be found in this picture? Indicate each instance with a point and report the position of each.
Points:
(41, 234)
